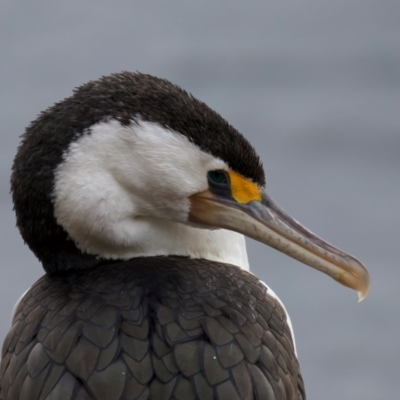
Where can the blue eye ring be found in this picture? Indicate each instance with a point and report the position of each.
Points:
(218, 178)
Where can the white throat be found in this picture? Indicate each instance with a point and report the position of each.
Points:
(122, 192)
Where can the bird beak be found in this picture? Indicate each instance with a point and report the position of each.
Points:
(268, 223)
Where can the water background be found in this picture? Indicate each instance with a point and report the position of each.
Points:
(315, 87)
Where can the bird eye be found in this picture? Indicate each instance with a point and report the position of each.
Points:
(217, 177)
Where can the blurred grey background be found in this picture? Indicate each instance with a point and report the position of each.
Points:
(314, 85)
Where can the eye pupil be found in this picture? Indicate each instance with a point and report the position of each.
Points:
(218, 177)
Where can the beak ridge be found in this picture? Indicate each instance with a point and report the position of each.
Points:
(268, 223)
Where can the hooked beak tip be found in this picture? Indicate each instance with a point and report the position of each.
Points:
(268, 223)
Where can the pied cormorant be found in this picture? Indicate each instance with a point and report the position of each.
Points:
(135, 197)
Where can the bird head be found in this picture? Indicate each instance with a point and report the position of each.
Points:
(132, 165)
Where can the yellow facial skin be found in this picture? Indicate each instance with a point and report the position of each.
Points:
(243, 190)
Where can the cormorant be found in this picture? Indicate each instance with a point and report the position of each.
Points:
(134, 196)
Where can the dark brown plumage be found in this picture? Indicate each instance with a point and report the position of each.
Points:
(150, 328)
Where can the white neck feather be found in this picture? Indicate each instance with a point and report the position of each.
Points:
(122, 192)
